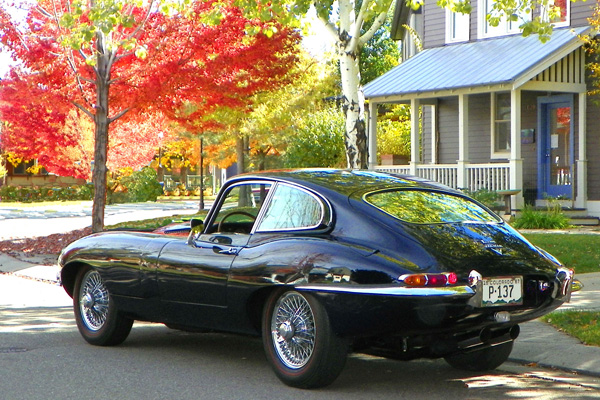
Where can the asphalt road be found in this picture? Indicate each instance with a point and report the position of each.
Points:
(42, 356)
(21, 221)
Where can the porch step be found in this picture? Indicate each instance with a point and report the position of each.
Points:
(578, 220)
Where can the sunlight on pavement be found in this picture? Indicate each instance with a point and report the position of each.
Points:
(42, 319)
(533, 385)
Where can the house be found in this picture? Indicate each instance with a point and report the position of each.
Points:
(20, 176)
(498, 110)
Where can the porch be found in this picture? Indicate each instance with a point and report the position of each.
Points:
(490, 122)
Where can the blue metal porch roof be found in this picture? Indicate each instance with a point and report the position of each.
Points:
(481, 63)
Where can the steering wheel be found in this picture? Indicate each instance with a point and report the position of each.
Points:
(234, 213)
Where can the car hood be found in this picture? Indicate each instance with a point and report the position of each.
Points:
(489, 248)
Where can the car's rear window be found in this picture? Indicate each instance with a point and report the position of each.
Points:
(428, 207)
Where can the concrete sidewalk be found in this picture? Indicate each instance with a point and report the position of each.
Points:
(33, 283)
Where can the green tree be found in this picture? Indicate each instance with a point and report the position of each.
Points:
(347, 22)
(318, 141)
(393, 131)
(379, 55)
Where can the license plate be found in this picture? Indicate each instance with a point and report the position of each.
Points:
(502, 291)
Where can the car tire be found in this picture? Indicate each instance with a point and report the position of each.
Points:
(481, 360)
(299, 342)
(98, 320)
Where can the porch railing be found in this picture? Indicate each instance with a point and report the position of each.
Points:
(493, 177)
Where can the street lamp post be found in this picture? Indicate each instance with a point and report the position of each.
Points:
(201, 206)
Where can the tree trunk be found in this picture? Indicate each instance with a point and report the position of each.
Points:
(240, 151)
(353, 99)
(101, 136)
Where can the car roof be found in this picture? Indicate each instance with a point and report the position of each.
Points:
(344, 181)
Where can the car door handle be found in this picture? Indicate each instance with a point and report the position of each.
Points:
(228, 250)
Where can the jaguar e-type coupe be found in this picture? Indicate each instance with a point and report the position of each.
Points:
(320, 263)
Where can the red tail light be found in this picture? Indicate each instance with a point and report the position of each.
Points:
(429, 279)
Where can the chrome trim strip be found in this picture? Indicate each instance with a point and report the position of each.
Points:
(399, 291)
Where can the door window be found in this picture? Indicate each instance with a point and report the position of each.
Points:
(239, 208)
(292, 208)
(560, 139)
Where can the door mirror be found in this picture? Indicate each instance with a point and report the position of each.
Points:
(196, 226)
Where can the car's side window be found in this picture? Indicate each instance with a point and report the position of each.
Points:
(240, 208)
(292, 208)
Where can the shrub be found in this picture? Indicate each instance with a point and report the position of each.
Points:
(552, 218)
(134, 186)
(37, 194)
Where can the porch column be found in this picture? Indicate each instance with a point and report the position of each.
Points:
(372, 135)
(415, 148)
(516, 162)
(434, 133)
(581, 171)
(462, 178)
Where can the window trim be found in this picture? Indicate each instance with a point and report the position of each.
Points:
(559, 24)
(494, 154)
(451, 23)
(482, 23)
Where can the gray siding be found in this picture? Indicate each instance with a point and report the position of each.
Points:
(434, 25)
(593, 149)
(434, 21)
(580, 12)
(479, 128)
(529, 151)
(448, 130)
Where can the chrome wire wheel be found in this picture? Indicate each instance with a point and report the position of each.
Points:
(93, 301)
(293, 330)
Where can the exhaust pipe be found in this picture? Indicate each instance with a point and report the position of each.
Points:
(489, 337)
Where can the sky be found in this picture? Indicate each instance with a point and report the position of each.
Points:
(5, 63)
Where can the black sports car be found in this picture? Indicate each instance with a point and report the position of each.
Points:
(322, 262)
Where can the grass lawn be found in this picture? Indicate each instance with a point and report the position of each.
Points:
(578, 251)
(580, 324)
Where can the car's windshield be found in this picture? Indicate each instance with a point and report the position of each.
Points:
(429, 207)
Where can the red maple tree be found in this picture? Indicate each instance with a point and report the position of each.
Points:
(129, 67)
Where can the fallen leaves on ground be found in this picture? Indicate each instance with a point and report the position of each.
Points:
(51, 244)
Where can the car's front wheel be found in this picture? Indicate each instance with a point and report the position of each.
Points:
(98, 320)
(481, 360)
(299, 342)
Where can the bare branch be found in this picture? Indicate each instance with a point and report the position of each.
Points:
(85, 110)
(141, 24)
(360, 19)
(119, 115)
(377, 23)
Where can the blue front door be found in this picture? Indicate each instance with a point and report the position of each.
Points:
(555, 151)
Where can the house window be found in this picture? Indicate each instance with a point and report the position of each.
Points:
(22, 167)
(558, 12)
(500, 125)
(457, 26)
(504, 27)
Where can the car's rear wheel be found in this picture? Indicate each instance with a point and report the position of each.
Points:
(299, 342)
(481, 360)
(99, 321)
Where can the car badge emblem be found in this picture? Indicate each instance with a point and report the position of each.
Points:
(474, 277)
(493, 246)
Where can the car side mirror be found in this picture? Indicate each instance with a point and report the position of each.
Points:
(196, 226)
